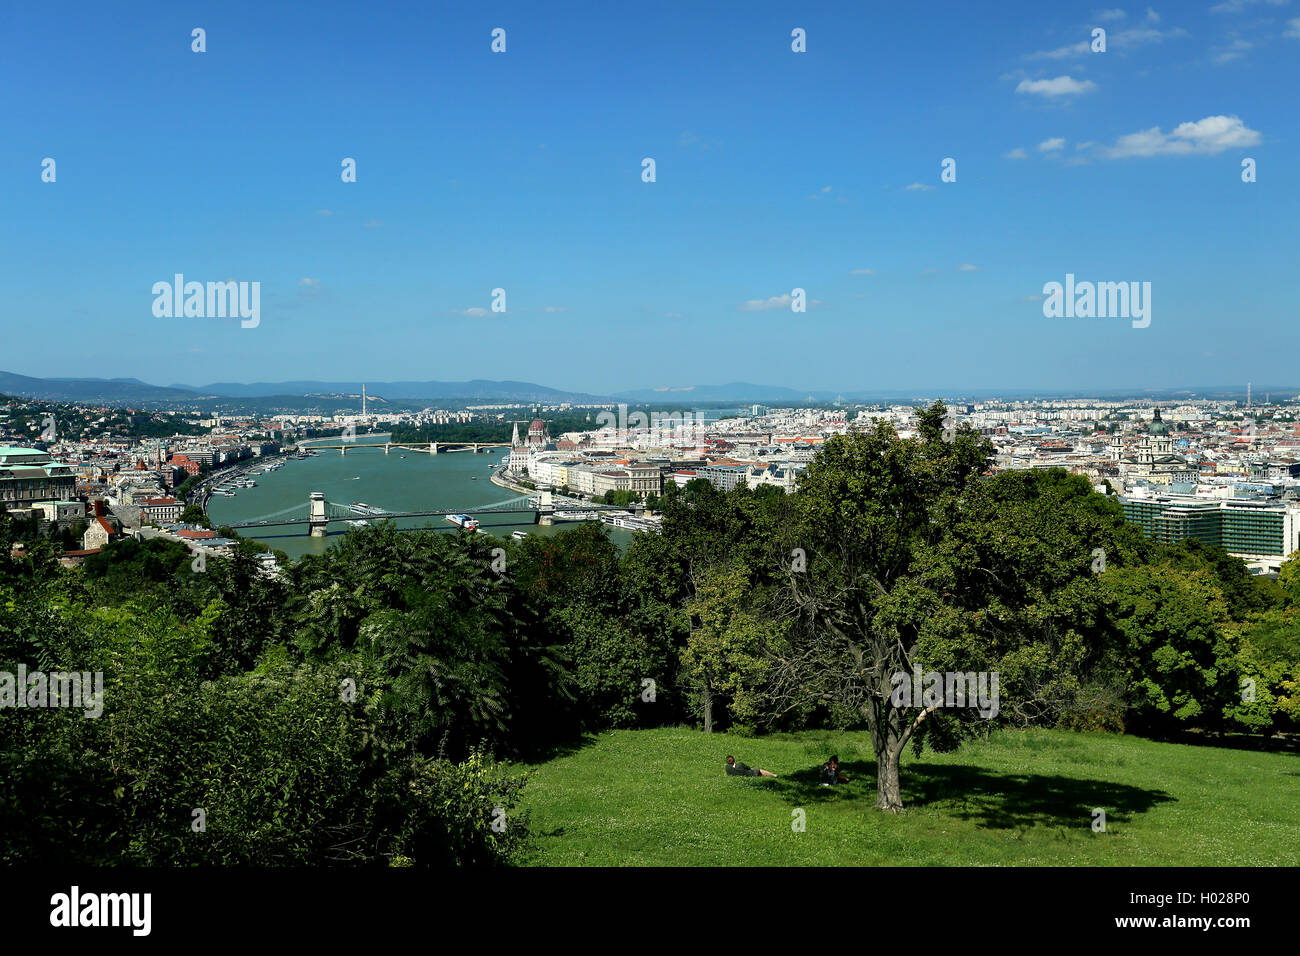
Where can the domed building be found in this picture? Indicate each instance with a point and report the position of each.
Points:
(1153, 456)
(537, 434)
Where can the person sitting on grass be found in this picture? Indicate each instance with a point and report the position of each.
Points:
(831, 772)
(735, 769)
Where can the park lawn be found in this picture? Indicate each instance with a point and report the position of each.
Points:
(1024, 798)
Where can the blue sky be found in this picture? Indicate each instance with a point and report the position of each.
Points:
(775, 170)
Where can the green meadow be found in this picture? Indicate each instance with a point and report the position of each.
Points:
(1023, 798)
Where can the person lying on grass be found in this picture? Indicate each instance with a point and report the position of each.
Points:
(735, 769)
(831, 772)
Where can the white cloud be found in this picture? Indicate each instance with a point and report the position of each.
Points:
(1082, 48)
(1207, 136)
(1292, 29)
(1233, 51)
(1051, 145)
(673, 315)
(1236, 6)
(324, 212)
(1016, 153)
(918, 186)
(474, 312)
(309, 283)
(1153, 17)
(862, 272)
(1060, 86)
(1134, 36)
(967, 267)
(555, 308)
(373, 224)
(1139, 35)
(1114, 14)
(775, 302)
(762, 305)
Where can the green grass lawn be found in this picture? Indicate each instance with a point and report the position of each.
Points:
(1025, 798)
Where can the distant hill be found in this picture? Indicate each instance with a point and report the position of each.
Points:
(476, 389)
(733, 392)
(129, 390)
(331, 396)
(109, 391)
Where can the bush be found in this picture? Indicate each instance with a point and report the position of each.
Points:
(1096, 708)
(460, 815)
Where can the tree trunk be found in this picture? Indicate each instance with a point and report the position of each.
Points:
(708, 711)
(888, 737)
(888, 795)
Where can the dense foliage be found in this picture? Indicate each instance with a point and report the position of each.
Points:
(352, 710)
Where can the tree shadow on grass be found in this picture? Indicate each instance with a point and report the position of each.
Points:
(565, 746)
(1000, 801)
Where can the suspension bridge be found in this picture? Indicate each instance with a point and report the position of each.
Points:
(432, 448)
(318, 513)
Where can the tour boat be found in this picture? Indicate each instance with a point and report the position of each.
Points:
(463, 521)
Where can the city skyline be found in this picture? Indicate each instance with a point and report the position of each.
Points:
(775, 171)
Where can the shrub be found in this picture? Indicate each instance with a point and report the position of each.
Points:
(460, 815)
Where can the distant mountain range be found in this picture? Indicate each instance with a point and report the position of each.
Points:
(477, 389)
(734, 392)
(107, 390)
(132, 390)
(335, 395)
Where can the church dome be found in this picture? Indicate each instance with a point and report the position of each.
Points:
(1157, 426)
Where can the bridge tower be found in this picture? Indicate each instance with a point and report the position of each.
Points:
(545, 509)
(343, 449)
(316, 519)
(433, 448)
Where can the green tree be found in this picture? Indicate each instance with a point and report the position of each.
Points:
(193, 514)
(723, 661)
(920, 563)
(1176, 652)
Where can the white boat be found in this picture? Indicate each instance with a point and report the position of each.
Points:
(463, 521)
(519, 535)
(359, 523)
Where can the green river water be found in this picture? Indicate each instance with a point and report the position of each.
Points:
(416, 482)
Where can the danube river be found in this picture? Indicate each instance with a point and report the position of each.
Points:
(399, 481)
